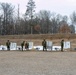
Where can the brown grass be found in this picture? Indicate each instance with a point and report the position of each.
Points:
(40, 36)
(37, 38)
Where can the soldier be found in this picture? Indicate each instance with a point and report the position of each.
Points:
(8, 45)
(44, 44)
(26, 45)
(62, 45)
(22, 44)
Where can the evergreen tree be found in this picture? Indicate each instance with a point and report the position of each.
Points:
(30, 13)
(30, 9)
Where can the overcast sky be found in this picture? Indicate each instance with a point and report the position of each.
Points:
(63, 7)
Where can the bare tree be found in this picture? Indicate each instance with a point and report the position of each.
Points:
(65, 29)
(1, 26)
(73, 18)
(7, 10)
(72, 27)
(37, 28)
(44, 17)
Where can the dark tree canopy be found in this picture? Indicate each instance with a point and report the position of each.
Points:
(30, 9)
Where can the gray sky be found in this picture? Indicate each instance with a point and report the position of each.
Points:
(63, 7)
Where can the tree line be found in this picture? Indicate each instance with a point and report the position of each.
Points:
(43, 22)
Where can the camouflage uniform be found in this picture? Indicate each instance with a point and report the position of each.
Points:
(26, 45)
(62, 45)
(8, 45)
(44, 44)
(22, 44)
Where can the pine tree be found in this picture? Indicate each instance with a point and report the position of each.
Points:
(30, 9)
(30, 12)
